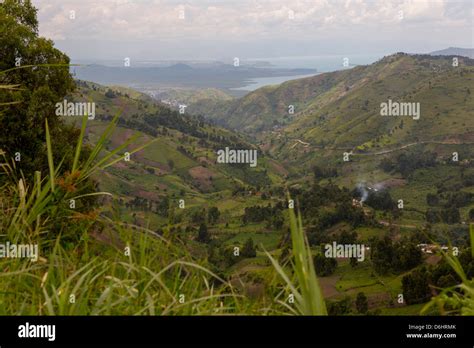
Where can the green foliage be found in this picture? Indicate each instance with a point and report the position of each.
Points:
(325, 266)
(213, 215)
(450, 215)
(82, 248)
(407, 163)
(388, 256)
(324, 206)
(306, 291)
(145, 278)
(40, 82)
(248, 249)
(459, 298)
(110, 94)
(361, 303)
(324, 172)
(261, 213)
(341, 307)
(416, 286)
(380, 200)
(203, 234)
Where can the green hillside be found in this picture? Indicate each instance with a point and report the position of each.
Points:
(180, 163)
(194, 95)
(343, 107)
(352, 117)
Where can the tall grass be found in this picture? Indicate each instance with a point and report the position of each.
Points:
(301, 280)
(115, 268)
(132, 271)
(458, 299)
(106, 281)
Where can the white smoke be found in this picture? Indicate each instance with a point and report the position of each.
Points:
(379, 186)
(363, 191)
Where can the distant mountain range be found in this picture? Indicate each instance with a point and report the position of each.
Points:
(455, 51)
(180, 75)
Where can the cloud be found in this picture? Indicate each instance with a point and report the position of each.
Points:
(250, 20)
(145, 19)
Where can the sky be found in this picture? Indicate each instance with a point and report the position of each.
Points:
(219, 29)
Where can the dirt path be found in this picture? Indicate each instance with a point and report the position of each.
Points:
(378, 153)
(386, 223)
(298, 141)
(413, 144)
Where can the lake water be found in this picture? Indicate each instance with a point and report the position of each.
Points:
(320, 63)
(256, 83)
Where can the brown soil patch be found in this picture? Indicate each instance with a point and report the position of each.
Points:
(393, 182)
(278, 168)
(202, 176)
(205, 160)
(433, 259)
(328, 286)
(146, 194)
(377, 300)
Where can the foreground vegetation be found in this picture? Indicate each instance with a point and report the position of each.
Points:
(93, 264)
(114, 239)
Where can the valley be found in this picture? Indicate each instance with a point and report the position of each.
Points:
(178, 186)
(228, 159)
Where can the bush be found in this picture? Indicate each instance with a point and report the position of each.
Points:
(324, 266)
(249, 249)
(415, 286)
(362, 304)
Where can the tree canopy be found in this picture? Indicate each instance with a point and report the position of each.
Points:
(41, 75)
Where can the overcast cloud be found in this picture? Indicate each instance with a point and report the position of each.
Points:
(155, 29)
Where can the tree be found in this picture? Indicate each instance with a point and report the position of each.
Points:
(249, 249)
(213, 215)
(347, 237)
(380, 200)
(110, 94)
(353, 262)
(198, 216)
(433, 216)
(386, 165)
(452, 215)
(382, 254)
(324, 172)
(362, 304)
(415, 286)
(397, 257)
(341, 307)
(41, 87)
(406, 255)
(324, 266)
(203, 235)
(432, 199)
